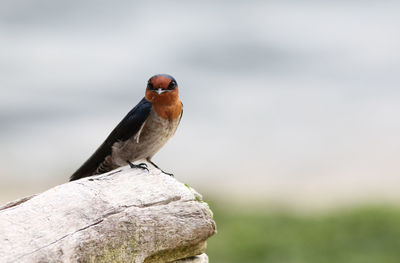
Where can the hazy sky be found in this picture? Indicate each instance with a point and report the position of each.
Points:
(283, 99)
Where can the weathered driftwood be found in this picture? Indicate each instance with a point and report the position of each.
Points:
(127, 215)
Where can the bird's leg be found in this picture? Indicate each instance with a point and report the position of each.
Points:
(140, 165)
(156, 166)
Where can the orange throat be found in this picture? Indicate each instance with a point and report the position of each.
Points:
(166, 105)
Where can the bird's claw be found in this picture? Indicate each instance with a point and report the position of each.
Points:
(143, 164)
(170, 174)
(156, 166)
(140, 166)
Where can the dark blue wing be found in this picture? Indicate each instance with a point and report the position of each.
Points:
(127, 128)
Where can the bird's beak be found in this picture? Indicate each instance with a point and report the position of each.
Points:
(160, 91)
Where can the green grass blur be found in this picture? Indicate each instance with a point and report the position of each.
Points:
(359, 235)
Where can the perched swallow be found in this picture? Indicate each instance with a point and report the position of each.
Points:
(143, 131)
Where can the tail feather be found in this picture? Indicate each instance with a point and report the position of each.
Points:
(98, 163)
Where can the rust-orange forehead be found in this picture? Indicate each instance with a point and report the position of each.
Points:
(160, 82)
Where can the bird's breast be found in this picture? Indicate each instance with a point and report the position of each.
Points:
(155, 132)
(157, 129)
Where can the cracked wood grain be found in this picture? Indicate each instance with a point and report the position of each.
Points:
(129, 216)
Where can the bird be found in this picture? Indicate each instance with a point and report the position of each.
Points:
(141, 133)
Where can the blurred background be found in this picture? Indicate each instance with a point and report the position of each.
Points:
(291, 124)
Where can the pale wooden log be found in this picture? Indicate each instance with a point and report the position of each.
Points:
(127, 215)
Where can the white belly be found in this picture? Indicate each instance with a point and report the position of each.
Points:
(153, 135)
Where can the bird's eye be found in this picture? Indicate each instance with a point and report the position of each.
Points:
(172, 85)
(150, 86)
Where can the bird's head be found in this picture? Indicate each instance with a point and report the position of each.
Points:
(162, 89)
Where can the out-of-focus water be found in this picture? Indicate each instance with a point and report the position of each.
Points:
(284, 100)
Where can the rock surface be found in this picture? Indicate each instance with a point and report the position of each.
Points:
(127, 215)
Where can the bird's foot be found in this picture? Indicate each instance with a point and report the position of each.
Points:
(142, 166)
(170, 174)
(156, 166)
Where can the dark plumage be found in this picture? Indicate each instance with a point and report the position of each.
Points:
(143, 131)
